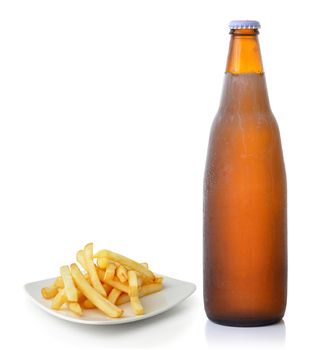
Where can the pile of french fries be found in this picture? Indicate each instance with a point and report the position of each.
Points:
(108, 281)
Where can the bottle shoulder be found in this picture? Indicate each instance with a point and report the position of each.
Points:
(258, 119)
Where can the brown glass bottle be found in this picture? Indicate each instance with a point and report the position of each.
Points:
(245, 221)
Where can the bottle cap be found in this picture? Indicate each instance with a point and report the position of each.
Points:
(244, 25)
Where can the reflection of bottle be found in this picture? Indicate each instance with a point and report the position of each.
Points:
(245, 223)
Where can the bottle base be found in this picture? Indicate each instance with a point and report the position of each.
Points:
(246, 322)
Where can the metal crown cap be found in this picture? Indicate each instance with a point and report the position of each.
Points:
(244, 25)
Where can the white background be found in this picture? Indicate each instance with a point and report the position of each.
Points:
(105, 111)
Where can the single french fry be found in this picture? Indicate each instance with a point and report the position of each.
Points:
(136, 305)
(81, 259)
(59, 300)
(96, 298)
(143, 291)
(110, 271)
(117, 284)
(114, 283)
(114, 295)
(75, 308)
(122, 273)
(49, 292)
(129, 263)
(133, 283)
(58, 283)
(103, 263)
(69, 286)
(86, 304)
(88, 253)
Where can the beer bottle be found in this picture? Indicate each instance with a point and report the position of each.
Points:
(245, 221)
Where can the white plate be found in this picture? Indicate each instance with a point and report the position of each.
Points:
(173, 292)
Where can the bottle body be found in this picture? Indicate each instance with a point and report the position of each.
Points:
(245, 222)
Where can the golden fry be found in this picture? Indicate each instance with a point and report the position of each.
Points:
(109, 272)
(102, 263)
(59, 300)
(69, 286)
(91, 269)
(75, 308)
(143, 291)
(117, 284)
(137, 306)
(122, 273)
(49, 292)
(58, 283)
(133, 283)
(114, 295)
(81, 259)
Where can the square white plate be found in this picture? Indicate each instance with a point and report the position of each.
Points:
(174, 291)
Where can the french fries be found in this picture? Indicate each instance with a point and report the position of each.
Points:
(115, 283)
(129, 263)
(69, 286)
(96, 298)
(105, 283)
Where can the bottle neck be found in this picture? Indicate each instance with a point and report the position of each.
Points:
(245, 90)
(244, 52)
